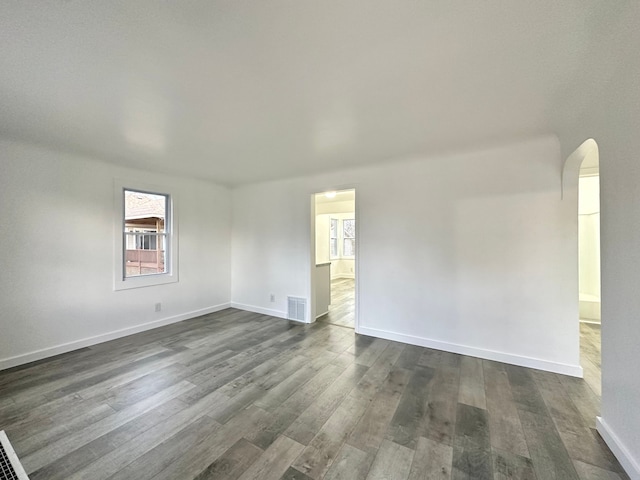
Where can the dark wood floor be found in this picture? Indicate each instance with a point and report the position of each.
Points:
(590, 355)
(342, 308)
(240, 395)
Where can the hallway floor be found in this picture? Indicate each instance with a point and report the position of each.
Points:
(342, 308)
(342, 313)
(590, 355)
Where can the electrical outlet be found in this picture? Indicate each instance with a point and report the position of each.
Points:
(273, 298)
(158, 307)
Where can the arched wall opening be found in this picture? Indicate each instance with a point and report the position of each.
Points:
(581, 187)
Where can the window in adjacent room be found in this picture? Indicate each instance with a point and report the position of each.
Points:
(333, 238)
(349, 237)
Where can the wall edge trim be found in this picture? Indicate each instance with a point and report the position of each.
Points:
(263, 311)
(43, 353)
(621, 452)
(343, 275)
(520, 360)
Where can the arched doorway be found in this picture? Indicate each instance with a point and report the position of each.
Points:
(581, 183)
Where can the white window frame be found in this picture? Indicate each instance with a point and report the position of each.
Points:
(344, 237)
(337, 239)
(120, 282)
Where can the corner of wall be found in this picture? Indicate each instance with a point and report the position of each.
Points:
(630, 464)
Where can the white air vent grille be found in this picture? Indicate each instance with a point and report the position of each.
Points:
(10, 467)
(297, 309)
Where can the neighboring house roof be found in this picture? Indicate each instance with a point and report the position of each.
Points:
(143, 205)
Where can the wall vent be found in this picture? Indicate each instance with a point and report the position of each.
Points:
(10, 466)
(297, 309)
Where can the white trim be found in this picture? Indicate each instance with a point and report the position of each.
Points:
(105, 337)
(343, 275)
(263, 311)
(13, 458)
(622, 453)
(590, 322)
(172, 236)
(555, 367)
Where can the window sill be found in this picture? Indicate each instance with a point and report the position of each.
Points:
(144, 281)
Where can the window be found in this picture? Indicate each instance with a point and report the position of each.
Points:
(349, 238)
(333, 238)
(145, 240)
(145, 233)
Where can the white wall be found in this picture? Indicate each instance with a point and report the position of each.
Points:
(616, 129)
(335, 207)
(343, 268)
(323, 229)
(603, 102)
(589, 238)
(56, 286)
(465, 252)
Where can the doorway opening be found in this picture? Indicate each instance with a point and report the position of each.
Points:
(334, 257)
(589, 269)
(581, 182)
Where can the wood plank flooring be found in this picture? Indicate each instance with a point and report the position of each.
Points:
(237, 395)
(342, 308)
(590, 357)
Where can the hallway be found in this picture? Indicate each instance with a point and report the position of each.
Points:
(342, 313)
(342, 309)
(590, 343)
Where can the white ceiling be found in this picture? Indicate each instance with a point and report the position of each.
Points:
(243, 91)
(341, 196)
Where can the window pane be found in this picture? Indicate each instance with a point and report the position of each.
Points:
(349, 247)
(334, 228)
(349, 228)
(144, 233)
(334, 247)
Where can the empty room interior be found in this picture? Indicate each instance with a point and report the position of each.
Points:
(320, 240)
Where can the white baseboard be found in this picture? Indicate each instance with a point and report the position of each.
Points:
(590, 322)
(105, 337)
(555, 367)
(343, 275)
(622, 453)
(263, 311)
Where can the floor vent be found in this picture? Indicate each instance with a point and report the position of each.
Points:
(297, 309)
(10, 466)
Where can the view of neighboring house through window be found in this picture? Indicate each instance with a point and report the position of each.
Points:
(333, 238)
(349, 238)
(145, 233)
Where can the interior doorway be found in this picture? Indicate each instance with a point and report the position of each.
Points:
(334, 258)
(589, 269)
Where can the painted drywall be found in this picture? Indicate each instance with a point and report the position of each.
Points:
(335, 207)
(603, 102)
(620, 237)
(589, 266)
(589, 195)
(589, 247)
(343, 268)
(323, 228)
(465, 252)
(56, 288)
(618, 124)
